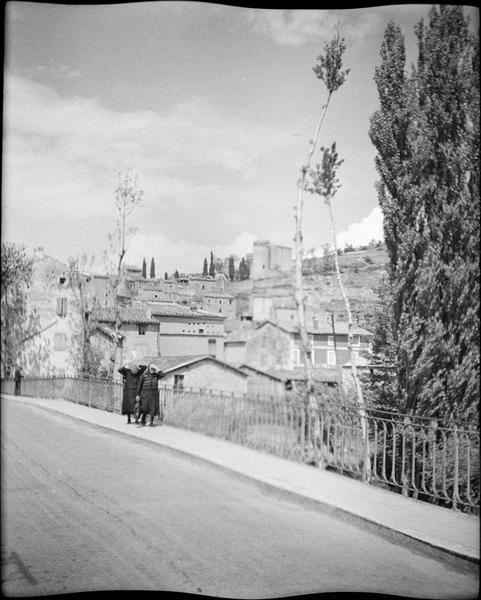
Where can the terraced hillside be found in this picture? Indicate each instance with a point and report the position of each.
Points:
(362, 272)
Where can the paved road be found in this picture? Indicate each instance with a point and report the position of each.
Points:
(88, 509)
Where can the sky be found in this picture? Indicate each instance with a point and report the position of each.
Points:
(212, 108)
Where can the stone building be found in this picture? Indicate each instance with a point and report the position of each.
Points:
(269, 258)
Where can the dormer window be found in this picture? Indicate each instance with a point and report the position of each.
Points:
(142, 329)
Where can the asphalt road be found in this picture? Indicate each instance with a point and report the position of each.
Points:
(88, 509)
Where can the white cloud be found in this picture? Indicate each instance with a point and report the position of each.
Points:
(73, 148)
(296, 27)
(360, 234)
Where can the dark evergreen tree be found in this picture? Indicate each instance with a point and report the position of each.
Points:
(176, 274)
(426, 133)
(166, 275)
(205, 270)
(152, 269)
(144, 269)
(211, 266)
(231, 268)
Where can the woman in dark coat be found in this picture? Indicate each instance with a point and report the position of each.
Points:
(131, 375)
(148, 392)
(18, 381)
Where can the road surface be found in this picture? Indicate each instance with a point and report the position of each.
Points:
(84, 509)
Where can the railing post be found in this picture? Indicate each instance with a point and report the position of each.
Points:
(456, 467)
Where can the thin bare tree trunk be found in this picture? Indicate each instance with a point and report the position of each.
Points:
(299, 296)
(306, 348)
(357, 383)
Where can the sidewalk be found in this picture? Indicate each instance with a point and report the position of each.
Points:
(440, 533)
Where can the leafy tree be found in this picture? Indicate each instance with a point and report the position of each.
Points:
(231, 268)
(205, 270)
(329, 70)
(20, 327)
(324, 182)
(426, 133)
(212, 266)
(176, 274)
(144, 269)
(242, 269)
(85, 355)
(127, 198)
(152, 269)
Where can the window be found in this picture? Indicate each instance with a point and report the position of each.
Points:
(60, 342)
(296, 356)
(318, 354)
(330, 340)
(178, 382)
(62, 280)
(212, 347)
(356, 357)
(201, 331)
(61, 307)
(142, 329)
(331, 357)
(356, 340)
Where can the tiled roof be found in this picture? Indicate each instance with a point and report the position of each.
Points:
(127, 315)
(270, 374)
(298, 374)
(167, 364)
(177, 310)
(340, 327)
(218, 295)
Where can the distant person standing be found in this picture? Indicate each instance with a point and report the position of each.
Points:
(131, 374)
(18, 381)
(148, 393)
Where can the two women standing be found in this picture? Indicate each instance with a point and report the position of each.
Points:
(141, 392)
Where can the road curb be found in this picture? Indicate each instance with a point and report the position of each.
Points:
(452, 558)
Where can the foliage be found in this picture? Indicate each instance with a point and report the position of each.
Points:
(85, 355)
(211, 266)
(323, 178)
(144, 269)
(20, 327)
(205, 269)
(176, 274)
(166, 275)
(244, 271)
(329, 66)
(152, 268)
(127, 198)
(426, 133)
(329, 70)
(231, 268)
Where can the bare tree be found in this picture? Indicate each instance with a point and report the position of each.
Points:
(127, 198)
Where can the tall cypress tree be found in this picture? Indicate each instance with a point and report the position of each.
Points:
(205, 270)
(426, 133)
(231, 268)
(144, 269)
(211, 266)
(152, 269)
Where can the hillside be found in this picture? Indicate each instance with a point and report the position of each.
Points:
(362, 272)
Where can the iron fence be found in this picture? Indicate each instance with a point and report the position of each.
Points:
(96, 393)
(418, 457)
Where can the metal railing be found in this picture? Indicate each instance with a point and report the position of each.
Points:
(96, 393)
(415, 456)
